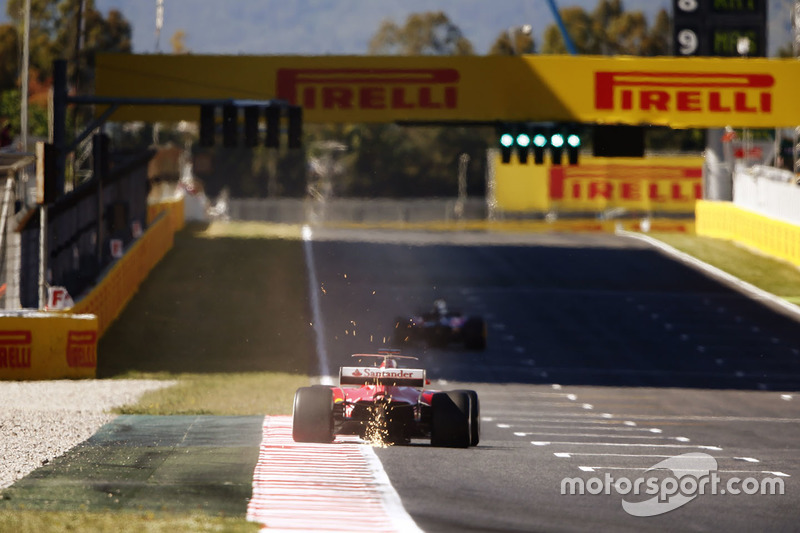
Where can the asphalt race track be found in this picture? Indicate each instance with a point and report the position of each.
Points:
(570, 309)
(605, 356)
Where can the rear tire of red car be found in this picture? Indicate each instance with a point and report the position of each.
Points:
(450, 419)
(474, 417)
(475, 333)
(312, 416)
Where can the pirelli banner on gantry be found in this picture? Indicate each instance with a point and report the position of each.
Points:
(48, 346)
(678, 92)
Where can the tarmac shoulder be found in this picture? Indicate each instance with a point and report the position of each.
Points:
(154, 463)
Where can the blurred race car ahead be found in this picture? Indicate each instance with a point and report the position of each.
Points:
(386, 404)
(440, 327)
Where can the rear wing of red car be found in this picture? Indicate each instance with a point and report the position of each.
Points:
(370, 375)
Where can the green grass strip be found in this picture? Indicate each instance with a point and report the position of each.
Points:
(120, 522)
(239, 394)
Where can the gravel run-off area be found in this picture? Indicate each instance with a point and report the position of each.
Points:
(40, 420)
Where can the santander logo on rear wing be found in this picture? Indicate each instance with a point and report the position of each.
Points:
(370, 375)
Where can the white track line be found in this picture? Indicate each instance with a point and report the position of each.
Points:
(568, 455)
(600, 425)
(622, 444)
(523, 421)
(316, 311)
(586, 468)
(599, 435)
(322, 487)
(595, 427)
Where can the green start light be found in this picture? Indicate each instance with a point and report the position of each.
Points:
(523, 140)
(507, 140)
(574, 140)
(539, 140)
(557, 140)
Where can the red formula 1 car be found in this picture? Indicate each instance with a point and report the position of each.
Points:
(386, 404)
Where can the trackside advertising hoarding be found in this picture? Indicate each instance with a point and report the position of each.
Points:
(678, 92)
(653, 184)
(48, 346)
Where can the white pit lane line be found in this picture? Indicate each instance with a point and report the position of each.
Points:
(322, 487)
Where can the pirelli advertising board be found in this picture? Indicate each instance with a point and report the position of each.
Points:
(679, 92)
(48, 346)
(667, 185)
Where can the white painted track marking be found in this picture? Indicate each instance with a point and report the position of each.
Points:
(587, 417)
(594, 427)
(624, 445)
(322, 487)
(568, 455)
(538, 404)
(607, 426)
(560, 416)
(598, 435)
(646, 469)
(533, 422)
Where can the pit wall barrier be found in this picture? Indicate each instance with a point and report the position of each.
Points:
(112, 294)
(724, 220)
(769, 191)
(63, 344)
(175, 211)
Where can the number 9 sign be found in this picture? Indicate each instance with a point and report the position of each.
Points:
(687, 39)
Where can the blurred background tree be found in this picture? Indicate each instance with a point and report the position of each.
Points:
(610, 30)
(514, 41)
(54, 31)
(9, 62)
(53, 34)
(178, 42)
(431, 33)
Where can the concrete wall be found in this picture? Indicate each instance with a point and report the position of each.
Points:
(770, 191)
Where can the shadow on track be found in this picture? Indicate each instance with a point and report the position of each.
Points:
(620, 315)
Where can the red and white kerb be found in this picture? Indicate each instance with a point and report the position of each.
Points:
(322, 487)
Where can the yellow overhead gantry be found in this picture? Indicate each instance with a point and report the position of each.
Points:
(676, 92)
